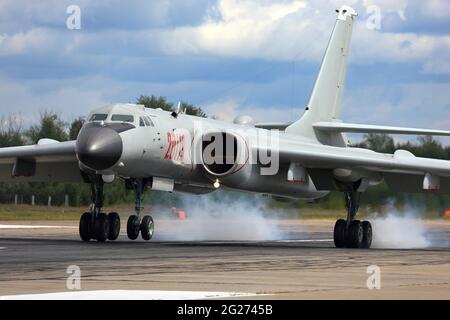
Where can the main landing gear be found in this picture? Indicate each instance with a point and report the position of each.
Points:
(100, 226)
(352, 233)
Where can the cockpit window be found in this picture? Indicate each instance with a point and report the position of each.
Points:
(122, 118)
(98, 117)
(141, 122)
(149, 121)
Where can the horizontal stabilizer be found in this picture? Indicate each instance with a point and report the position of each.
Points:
(364, 128)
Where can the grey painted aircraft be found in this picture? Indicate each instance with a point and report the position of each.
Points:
(176, 152)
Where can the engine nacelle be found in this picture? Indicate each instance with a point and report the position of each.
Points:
(224, 153)
(227, 159)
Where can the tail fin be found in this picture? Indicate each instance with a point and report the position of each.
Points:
(326, 97)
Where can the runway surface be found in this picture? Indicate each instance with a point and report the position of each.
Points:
(302, 265)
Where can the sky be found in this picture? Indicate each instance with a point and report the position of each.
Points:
(230, 57)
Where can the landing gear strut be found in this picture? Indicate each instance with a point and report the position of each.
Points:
(352, 233)
(134, 225)
(95, 224)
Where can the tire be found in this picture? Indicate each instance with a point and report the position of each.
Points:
(133, 227)
(367, 235)
(339, 233)
(147, 228)
(355, 234)
(85, 226)
(114, 226)
(101, 227)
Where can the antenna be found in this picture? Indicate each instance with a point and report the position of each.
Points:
(177, 110)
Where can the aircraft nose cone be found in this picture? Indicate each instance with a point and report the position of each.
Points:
(99, 148)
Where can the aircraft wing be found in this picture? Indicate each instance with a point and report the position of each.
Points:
(54, 161)
(365, 128)
(402, 170)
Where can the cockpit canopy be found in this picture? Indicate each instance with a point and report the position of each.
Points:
(112, 118)
(120, 116)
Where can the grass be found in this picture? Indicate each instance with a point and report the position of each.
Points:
(34, 213)
(28, 212)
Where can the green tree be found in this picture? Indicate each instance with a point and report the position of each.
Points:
(50, 126)
(11, 131)
(155, 102)
(377, 142)
(427, 147)
(161, 102)
(192, 110)
(75, 128)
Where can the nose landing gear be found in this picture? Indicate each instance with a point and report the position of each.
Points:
(146, 227)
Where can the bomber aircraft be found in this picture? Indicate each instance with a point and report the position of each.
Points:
(176, 152)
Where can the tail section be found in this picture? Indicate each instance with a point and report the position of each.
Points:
(326, 97)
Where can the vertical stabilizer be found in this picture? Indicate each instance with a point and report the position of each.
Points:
(326, 97)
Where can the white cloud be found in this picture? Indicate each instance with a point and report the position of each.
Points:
(34, 40)
(420, 104)
(249, 29)
(372, 46)
(436, 9)
(223, 110)
(68, 98)
(275, 30)
(387, 6)
(284, 30)
(228, 110)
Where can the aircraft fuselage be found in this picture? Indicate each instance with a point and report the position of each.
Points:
(163, 146)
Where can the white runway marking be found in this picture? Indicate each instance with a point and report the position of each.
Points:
(307, 240)
(29, 226)
(128, 295)
(263, 241)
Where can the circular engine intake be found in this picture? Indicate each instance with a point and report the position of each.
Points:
(223, 153)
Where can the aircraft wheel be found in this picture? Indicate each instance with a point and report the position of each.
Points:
(367, 235)
(147, 228)
(339, 233)
(101, 227)
(85, 226)
(114, 226)
(133, 227)
(355, 234)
